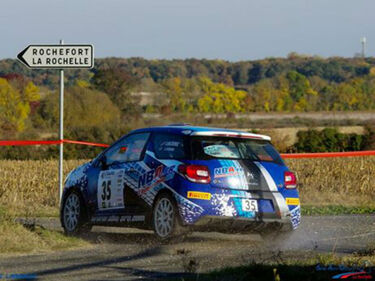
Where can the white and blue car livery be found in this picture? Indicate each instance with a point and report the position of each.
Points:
(172, 177)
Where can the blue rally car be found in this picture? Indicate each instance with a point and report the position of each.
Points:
(176, 177)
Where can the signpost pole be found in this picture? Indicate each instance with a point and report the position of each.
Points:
(61, 131)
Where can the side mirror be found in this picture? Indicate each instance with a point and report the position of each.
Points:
(123, 149)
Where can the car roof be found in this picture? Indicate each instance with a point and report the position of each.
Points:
(201, 131)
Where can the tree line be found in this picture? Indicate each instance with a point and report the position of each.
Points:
(103, 103)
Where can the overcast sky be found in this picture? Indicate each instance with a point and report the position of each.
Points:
(225, 29)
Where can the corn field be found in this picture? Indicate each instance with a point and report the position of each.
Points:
(343, 180)
(31, 186)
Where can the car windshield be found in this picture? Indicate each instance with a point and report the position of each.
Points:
(205, 148)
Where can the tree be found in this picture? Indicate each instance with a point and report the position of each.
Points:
(119, 84)
(300, 91)
(220, 98)
(83, 108)
(14, 106)
(175, 93)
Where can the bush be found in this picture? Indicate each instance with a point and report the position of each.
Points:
(328, 140)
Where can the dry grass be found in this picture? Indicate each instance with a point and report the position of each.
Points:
(15, 238)
(345, 181)
(30, 188)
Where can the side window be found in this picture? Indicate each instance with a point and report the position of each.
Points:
(129, 149)
(169, 146)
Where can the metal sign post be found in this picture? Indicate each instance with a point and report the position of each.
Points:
(61, 130)
(58, 57)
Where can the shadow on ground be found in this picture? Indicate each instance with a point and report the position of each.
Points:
(111, 264)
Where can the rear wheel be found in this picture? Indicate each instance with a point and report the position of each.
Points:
(165, 217)
(73, 216)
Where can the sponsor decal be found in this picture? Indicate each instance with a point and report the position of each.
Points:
(250, 175)
(199, 195)
(226, 171)
(117, 218)
(132, 218)
(153, 177)
(292, 201)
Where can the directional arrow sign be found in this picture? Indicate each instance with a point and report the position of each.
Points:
(58, 56)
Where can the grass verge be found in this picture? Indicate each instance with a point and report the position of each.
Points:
(308, 210)
(16, 238)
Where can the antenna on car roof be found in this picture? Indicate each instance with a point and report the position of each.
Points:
(179, 124)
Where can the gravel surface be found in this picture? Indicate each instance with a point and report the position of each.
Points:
(128, 254)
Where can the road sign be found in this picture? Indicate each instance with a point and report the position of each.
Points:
(58, 56)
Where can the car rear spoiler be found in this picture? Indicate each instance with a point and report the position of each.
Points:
(229, 134)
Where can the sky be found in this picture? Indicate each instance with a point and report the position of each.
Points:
(214, 29)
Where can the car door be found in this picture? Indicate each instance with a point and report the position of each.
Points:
(119, 171)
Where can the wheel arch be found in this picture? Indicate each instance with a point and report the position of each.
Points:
(173, 196)
(65, 195)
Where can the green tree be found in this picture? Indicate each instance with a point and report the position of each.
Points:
(175, 93)
(15, 105)
(83, 108)
(119, 85)
(220, 98)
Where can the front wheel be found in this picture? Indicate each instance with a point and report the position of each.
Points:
(165, 217)
(73, 217)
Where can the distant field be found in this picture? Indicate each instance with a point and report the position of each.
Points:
(288, 135)
(267, 120)
(30, 187)
(319, 115)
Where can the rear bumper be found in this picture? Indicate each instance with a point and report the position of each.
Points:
(223, 209)
(238, 224)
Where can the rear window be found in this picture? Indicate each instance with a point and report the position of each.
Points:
(205, 148)
(169, 146)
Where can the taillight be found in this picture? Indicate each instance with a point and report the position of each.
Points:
(195, 173)
(290, 180)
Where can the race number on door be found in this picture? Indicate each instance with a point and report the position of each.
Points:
(110, 189)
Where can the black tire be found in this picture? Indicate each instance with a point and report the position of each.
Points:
(74, 217)
(166, 220)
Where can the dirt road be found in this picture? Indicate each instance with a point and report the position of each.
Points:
(128, 254)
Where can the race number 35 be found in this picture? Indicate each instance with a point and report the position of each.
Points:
(110, 189)
(106, 192)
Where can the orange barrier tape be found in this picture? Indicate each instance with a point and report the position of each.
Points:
(51, 142)
(86, 143)
(28, 142)
(328, 154)
(283, 155)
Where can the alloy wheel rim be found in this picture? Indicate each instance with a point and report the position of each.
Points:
(164, 217)
(71, 212)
